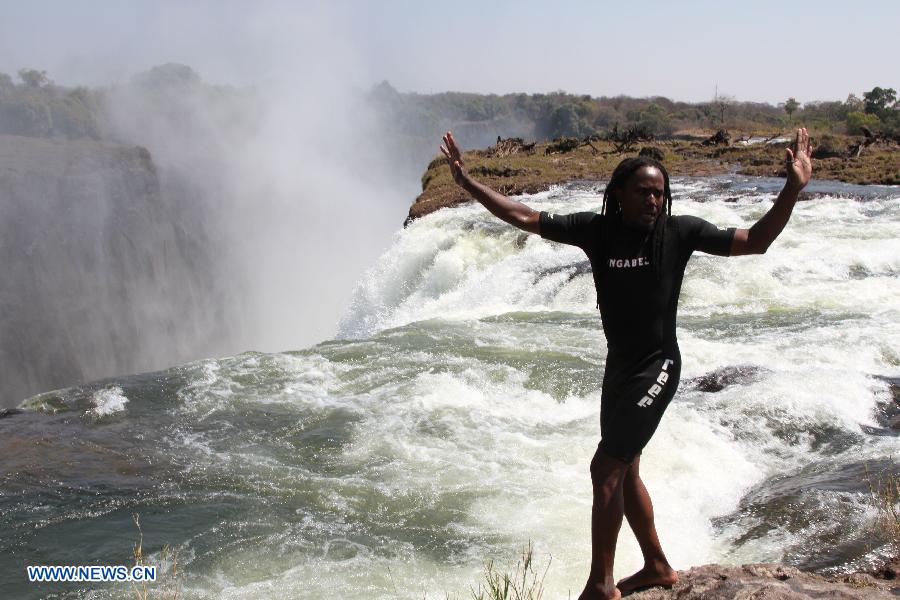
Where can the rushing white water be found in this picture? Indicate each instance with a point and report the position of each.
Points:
(818, 315)
(455, 417)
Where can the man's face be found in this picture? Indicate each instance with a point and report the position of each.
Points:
(641, 198)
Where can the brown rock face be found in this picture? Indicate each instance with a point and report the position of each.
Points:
(768, 582)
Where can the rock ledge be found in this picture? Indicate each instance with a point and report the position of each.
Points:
(769, 582)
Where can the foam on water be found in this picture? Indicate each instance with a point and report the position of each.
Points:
(107, 402)
(456, 416)
(458, 264)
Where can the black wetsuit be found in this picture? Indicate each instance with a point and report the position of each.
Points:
(638, 305)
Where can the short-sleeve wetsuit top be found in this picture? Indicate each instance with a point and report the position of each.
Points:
(638, 308)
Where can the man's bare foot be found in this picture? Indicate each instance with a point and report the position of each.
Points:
(593, 591)
(649, 576)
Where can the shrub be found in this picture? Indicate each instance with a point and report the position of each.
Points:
(857, 120)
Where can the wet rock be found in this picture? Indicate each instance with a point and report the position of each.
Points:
(562, 146)
(721, 137)
(719, 379)
(496, 171)
(890, 571)
(507, 147)
(828, 151)
(768, 582)
(579, 268)
(887, 413)
(894, 383)
(652, 152)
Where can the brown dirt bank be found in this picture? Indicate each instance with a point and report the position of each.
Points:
(515, 168)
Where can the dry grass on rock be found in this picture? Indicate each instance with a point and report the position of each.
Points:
(514, 168)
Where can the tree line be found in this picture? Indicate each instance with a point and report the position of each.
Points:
(37, 107)
(560, 114)
(33, 105)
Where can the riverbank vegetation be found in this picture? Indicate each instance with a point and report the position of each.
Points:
(525, 582)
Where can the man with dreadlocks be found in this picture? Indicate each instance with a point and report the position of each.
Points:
(638, 253)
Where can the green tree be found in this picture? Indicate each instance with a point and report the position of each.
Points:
(605, 116)
(655, 121)
(33, 78)
(853, 103)
(29, 115)
(73, 114)
(790, 107)
(169, 75)
(569, 120)
(879, 100)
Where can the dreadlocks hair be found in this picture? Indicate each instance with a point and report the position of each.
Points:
(612, 208)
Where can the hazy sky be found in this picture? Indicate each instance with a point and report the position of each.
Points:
(762, 50)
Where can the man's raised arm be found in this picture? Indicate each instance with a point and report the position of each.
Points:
(757, 239)
(514, 213)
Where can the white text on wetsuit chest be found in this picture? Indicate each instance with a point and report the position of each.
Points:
(624, 263)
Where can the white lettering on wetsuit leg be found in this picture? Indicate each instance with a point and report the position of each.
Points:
(657, 387)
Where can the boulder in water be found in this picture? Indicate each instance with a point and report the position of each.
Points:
(719, 379)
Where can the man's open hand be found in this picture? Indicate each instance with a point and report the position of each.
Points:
(799, 161)
(451, 151)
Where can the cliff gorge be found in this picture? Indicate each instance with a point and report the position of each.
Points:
(104, 272)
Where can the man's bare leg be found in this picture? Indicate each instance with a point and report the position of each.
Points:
(607, 477)
(639, 512)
